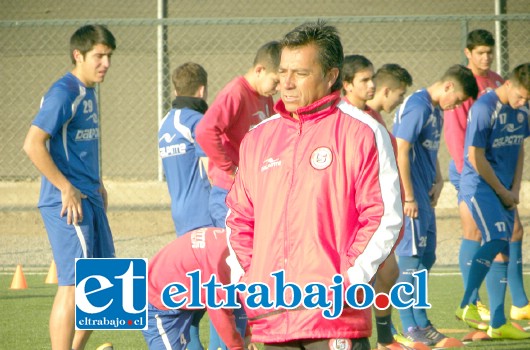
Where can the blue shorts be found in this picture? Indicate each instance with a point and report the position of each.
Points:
(217, 205)
(419, 235)
(90, 238)
(167, 329)
(492, 218)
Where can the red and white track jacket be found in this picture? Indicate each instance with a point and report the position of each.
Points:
(315, 197)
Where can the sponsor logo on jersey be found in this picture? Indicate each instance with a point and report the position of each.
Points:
(87, 134)
(270, 163)
(511, 140)
(321, 158)
(172, 150)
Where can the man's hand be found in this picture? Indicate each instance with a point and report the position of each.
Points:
(71, 199)
(411, 208)
(509, 199)
(434, 193)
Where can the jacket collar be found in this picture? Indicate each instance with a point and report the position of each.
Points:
(195, 103)
(318, 109)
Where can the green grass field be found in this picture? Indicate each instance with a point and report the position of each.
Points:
(24, 321)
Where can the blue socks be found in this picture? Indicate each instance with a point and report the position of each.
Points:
(195, 342)
(479, 268)
(468, 249)
(496, 282)
(410, 317)
(515, 275)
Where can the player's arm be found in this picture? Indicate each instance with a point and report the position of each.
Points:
(35, 148)
(212, 126)
(482, 166)
(436, 188)
(411, 206)
(378, 203)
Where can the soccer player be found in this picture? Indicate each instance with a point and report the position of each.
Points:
(183, 159)
(479, 52)
(417, 127)
(359, 87)
(317, 194)
(204, 249)
(489, 189)
(241, 104)
(63, 144)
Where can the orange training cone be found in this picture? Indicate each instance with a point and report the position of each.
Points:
(19, 281)
(51, 278)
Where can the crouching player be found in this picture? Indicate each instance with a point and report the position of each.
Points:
(203, 249)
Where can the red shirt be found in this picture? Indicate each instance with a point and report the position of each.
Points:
(234, 111)
(455, 120)
(205, 249)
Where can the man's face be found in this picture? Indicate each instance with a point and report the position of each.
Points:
(517, 95)
(362, 87)
(480, 58)
(93, 67)
(302, 81)
(452, 97)
(394, 98)
(268, 83)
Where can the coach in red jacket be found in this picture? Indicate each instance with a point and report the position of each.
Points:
(316, 194)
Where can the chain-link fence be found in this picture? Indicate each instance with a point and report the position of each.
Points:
(426, 37)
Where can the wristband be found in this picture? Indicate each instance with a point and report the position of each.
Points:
(411, 201)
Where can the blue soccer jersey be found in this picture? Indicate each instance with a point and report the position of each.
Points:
(69, 114)
(420, 123)
(187, 180)
(500, 130)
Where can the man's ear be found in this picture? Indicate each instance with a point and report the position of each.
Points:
(78, 56)
(259, 69)
(200, 91)
(449, 86)
(386, 91)
(467, 52)
(333, 76)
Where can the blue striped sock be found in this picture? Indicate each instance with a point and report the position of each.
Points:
(515, 275)
(496, 282)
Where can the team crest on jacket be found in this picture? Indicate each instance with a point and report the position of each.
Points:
(321, 158)
(340, 344)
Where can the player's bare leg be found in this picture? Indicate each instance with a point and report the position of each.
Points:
(62, 320)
